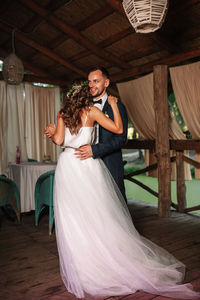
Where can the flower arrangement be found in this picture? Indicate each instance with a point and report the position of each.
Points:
(75, 88)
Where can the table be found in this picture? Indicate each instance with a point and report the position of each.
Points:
(25, 176)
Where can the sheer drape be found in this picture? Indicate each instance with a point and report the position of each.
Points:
(41, 107)
(185, 82)
(137, 95)
(24, 112)
(12, 123)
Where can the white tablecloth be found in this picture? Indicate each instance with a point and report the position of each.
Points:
(25, 176)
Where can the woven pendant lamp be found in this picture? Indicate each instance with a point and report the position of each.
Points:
(13, 69)
(146, 15)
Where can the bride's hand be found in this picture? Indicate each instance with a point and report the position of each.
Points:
(50, 130)
(112, 99)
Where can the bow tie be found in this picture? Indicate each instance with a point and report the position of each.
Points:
(97, 101)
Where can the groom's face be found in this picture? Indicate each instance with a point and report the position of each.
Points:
(97, 83)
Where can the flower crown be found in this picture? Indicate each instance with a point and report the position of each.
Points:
(76, 88)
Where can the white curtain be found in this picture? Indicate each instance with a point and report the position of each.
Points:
(12, 123)
(138, 97)
(185, 82)
(25, 110)
(41, 107)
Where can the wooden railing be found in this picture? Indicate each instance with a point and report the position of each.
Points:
(179, 146)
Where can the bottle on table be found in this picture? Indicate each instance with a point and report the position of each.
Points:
(18, 155)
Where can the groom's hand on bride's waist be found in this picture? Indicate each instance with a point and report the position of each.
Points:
(84, 152)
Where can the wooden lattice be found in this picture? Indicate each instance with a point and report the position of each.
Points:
(146, 15)
(13, 69)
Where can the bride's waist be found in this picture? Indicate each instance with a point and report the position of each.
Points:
(69, 149)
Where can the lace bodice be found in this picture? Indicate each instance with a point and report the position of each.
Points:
(84, 136)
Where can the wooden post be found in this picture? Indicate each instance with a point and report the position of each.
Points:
(162, 139)
(197, 171)
(152, 160)
(181, 188)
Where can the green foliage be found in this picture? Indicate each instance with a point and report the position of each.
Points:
(130, 169)
(175, 110)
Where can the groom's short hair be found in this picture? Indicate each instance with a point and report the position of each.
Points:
(104, 71)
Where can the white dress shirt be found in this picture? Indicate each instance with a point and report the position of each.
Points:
(100, 106)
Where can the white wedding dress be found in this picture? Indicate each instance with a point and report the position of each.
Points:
(100, 252)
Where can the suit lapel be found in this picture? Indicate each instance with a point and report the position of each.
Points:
(105, 106)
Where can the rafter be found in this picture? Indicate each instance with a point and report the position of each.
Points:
(94, 18)
(37, 20)
(28, 66)
(44, 50)
(33, 78)
(146, 68)
(75, 34)
(107, 42)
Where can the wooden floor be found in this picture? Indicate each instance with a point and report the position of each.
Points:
(29, 261)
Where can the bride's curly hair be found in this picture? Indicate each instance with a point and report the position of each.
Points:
(73, 107)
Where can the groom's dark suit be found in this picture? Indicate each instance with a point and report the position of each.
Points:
(110, 144)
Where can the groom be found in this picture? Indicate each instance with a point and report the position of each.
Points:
(108, 145)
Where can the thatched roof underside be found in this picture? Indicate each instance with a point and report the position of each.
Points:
(59, 41)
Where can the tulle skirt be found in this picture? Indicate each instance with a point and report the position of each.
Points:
(100, 251)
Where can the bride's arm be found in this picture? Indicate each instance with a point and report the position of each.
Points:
(59, 134)
(115, 126)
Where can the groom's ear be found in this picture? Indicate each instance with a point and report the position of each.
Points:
(107, 82)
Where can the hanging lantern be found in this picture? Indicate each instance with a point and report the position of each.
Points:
(13, 69)
(146, 15)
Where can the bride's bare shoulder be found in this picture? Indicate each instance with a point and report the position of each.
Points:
(94, 109)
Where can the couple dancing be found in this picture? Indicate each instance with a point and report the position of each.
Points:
(100, 252)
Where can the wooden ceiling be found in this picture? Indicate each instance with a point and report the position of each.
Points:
(59, 41)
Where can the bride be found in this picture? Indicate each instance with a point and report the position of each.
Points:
(100, 252)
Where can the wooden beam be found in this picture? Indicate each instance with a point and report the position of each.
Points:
(44, 51)
(144, 186)
(117, 6)
(27, 66)
(37, 20)
(36, 72)
(107, 42)
(180, 181)
(91, 20)
(138, 53)
(163, 42)
(174, 145)
(143, 69)
(75, 34)
(185, 145)
(192, 162)
(139, 144)
(33, 78)
(162, 139)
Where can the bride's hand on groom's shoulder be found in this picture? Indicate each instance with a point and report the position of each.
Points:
(112, 99)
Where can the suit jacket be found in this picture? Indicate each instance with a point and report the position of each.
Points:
(110, 144)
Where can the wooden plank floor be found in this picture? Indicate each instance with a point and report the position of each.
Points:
(29, 261)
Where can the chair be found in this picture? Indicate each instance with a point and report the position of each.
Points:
(9, 195)
(44, 197)
(32, 160)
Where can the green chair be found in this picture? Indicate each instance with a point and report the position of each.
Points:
(32, 160)
(44, 197)
(9, 195)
